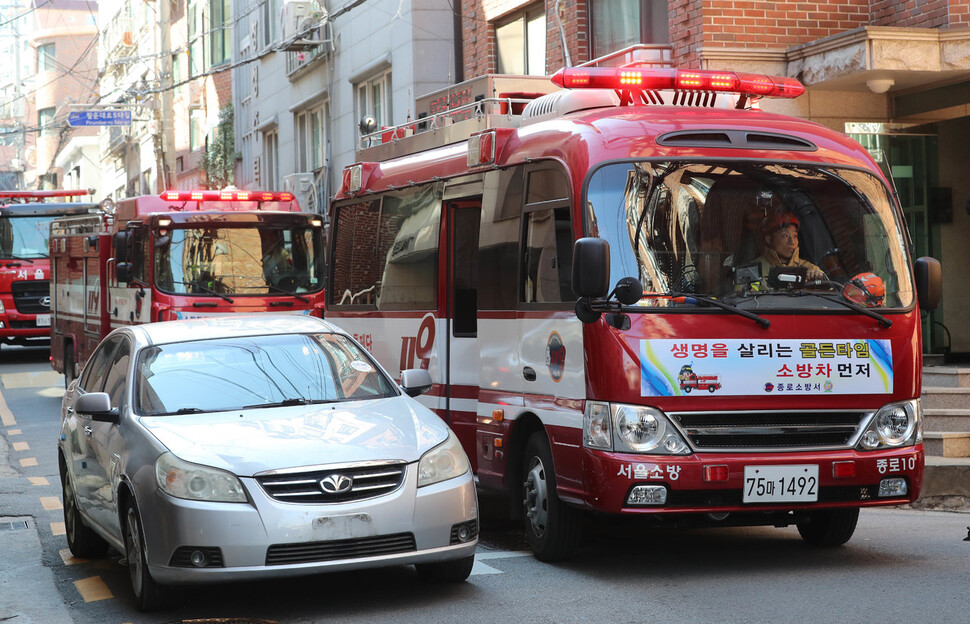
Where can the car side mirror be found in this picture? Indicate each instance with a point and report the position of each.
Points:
(124, 272)
(121, 246)
(97, 405)
(929, 282)
(591, 267)
(415, 381)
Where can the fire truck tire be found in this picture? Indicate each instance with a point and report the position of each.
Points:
(829, 528)
(553, 528)
(712, 389)
(687, 389)
(82, 541)
(70, 365)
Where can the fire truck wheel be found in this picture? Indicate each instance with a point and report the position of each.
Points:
(829, 528)
(69, 365)
(553, 528)
(82, 541)
(712, 389)
(687, 389)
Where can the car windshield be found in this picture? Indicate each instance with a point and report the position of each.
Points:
(255, 372)
(239, 261)
(24, 237)
(750, 233)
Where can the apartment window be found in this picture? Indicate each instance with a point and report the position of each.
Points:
(177, 74)
(196, 128)
(521, 43)
(617, 24)
(45, 120)
(374, 98)
(45, 57)
(271, 151)
(269, 16)
(196, 40)
(220, 12)
(311, 139)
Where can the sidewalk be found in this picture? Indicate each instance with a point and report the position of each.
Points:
(946, 484)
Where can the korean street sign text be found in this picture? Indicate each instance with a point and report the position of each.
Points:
(100, 118)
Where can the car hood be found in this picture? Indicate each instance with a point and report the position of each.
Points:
(246, 442)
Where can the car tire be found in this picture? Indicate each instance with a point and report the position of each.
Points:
(553, 528)
(69, 365)
(81, 539)
(828, 528)
(149, 595)
(454, 571)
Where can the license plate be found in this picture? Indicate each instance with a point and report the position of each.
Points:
(781, 484)
(43, 320)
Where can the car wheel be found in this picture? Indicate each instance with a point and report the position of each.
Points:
(828, 528)
(446, 571)
(82, 541)
(149, 595)
(69, 365)
(553, 528)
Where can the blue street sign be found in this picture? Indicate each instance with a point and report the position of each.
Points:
(100, 118)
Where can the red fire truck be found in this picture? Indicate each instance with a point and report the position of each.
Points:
(483, 249)
(25, 218)
(180, 255)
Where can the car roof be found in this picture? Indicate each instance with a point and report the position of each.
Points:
(230, 326)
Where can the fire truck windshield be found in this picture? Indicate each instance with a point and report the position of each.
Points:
(24, 238)
(238, 261)
(752, 234)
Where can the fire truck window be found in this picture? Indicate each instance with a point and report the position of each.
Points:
(92, 377)
(547, 257)
(465, 271)
(547, 185)
(114, 383)
(139, 242)
(498, 255)
(407, 246)
(355, 269)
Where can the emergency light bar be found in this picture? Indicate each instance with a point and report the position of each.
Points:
(255, 196)
(632, 79)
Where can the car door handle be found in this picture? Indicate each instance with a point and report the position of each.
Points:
(88, 430)
(529, 373)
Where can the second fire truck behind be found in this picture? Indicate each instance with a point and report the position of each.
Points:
(179, 255)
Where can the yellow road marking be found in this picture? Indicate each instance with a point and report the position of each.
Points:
(27, 462)
(93, 589)
(68, 558)
(36, 379)
(21, 446)
(38, 481)
(14, 431)
(6, 416)
(58, 528)
(50, 503)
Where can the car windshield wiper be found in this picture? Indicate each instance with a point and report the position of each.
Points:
(696, 299)
(288, 403)
(207, 289)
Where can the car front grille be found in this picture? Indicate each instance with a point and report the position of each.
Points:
(29, 296)
(311, 552)
(330, 485)
(770, 431)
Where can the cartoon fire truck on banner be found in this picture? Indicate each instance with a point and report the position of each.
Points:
(181, 254)
(689, 380)
(554, 251)
(25, 218)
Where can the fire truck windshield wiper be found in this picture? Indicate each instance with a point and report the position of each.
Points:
(845, 302)
(696, 299)
(13, 257)
(205, 288)
(286, 292)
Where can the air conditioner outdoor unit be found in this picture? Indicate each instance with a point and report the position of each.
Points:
(294, 13)
(301, 185)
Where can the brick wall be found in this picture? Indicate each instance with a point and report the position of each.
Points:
(916, 13)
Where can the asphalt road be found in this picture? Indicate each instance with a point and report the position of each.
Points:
(902, 565)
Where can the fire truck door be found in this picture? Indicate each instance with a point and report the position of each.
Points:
(462, 350)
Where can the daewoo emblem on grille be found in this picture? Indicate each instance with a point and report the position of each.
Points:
(336, 484)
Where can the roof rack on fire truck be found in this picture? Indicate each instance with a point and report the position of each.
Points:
(9, 197)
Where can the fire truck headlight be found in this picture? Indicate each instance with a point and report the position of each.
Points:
(597, 428)
(2, 310)
(894, 425)
(640, 429)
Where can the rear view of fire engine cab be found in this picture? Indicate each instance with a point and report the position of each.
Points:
(25, 218)
(181, 254)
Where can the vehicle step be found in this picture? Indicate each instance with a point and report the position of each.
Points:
(947, 443)
(935, 397)
(946, 419)
(946, 376)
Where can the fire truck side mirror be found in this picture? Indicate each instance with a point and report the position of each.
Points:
(121, 247)
(124, 272)
(591, 267)
(929, 282)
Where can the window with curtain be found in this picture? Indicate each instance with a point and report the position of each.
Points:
(374, 98)
(617, 24)
(521, 42)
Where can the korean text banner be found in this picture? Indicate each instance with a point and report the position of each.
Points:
(763, 367)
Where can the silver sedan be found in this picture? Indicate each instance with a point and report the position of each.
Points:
(243, 447)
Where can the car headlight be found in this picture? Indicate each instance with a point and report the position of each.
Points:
(182, 479)
(445, 461)
(893, 426)
(631, 429)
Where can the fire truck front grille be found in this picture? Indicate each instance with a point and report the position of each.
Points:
(770, 431)
(33, 297)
